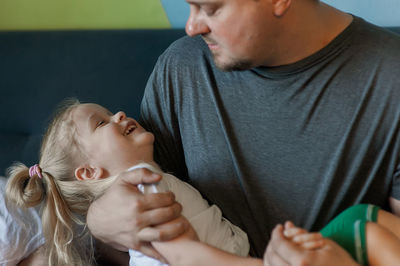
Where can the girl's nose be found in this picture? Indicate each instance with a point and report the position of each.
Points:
(118, 117)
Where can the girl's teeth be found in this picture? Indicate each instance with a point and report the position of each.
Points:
(130, 129)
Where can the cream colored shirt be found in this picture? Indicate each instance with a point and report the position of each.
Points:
(206, 220)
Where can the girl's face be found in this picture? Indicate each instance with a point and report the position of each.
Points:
(113, 142)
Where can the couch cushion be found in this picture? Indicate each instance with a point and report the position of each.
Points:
(39, 69)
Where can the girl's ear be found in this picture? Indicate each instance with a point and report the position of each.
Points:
(87, 172)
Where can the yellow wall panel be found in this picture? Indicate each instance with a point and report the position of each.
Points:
(81, 14)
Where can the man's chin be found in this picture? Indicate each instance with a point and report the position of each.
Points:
(232, 65)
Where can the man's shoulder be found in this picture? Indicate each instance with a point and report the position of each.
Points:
(186, 49)
(381, 40)
(375, 50)
(188, 42)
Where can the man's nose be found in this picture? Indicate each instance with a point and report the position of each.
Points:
(195, 24)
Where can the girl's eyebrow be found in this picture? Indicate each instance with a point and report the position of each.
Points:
(92, 120)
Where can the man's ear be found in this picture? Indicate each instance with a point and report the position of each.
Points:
(87, 172)
(280, 7)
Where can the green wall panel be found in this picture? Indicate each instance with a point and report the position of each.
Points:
(81, 14)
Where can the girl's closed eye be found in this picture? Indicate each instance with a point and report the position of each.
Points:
(100, 123)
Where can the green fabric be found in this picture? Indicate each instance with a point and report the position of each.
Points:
(348, 230)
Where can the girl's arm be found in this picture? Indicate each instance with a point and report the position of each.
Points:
(186, 250)
(36, 258)
(195, 253)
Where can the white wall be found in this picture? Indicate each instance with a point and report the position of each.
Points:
(381, 12)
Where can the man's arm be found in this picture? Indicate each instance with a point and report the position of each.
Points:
(126, 219)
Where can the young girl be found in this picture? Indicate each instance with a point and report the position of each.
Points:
(84, 148)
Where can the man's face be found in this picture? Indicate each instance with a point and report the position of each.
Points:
(111, 141)
(239, 33)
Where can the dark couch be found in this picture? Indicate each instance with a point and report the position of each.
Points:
(39, 69)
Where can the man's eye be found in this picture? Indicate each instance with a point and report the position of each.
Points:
(209, 11)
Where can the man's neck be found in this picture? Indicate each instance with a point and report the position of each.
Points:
(308, 29)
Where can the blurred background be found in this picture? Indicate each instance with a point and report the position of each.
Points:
(145, 14)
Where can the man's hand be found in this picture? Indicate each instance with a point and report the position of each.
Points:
(283, 252)
(126, 219)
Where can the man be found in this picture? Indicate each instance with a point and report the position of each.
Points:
(280, 110)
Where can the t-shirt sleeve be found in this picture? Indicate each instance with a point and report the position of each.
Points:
(207, 220)
(190, 198)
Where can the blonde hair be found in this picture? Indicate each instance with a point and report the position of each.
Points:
(65, 199)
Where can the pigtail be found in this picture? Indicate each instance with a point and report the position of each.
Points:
(22, 190)
(64, 200)
(58, 220)
(62, 246)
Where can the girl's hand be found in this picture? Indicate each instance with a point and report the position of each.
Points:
(282, 251)
(190, 234)
(303, 238)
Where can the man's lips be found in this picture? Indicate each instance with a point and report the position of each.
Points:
(212, 46)
(210, 43)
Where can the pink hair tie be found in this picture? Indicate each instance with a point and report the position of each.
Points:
(35, 170)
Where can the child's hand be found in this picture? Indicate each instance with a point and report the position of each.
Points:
(302, 237)
(190, 233)
(173, 250)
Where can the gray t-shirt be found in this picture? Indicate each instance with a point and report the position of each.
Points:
(299, 142)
